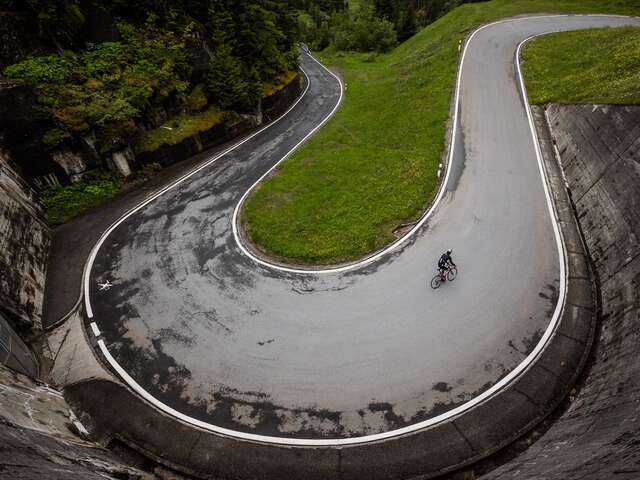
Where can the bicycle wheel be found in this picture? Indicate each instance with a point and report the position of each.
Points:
(436, 281)
(451, 274)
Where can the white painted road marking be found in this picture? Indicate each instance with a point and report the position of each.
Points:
(95, 329)
(105, 285)
(504, 382)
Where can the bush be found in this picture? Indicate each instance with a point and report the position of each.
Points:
(363, 31)
(55, 137)
(197, 98)
(39, 70)
(62, 203)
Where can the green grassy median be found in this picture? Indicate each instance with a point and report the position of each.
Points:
(586, 66)
(373, 166)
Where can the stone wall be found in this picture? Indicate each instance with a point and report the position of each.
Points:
(598, 436)
(271, 108)
(275, 105)
(24, 247)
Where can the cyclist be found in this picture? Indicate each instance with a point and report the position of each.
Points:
(445, 262)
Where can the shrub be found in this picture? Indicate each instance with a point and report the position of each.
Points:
(363, 31)
(55, 137)
(48, 69)
(65, 202)
(197, 98)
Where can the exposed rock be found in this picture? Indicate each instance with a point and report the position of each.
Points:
(90, 153)
(21, 132)
(235, 126)
(72, 163)
(276, 104)
(122, 160)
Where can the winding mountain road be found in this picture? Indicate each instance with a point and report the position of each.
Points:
(209, 335)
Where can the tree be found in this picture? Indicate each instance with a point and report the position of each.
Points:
(225, 80)
(406, 25)
(363, 31)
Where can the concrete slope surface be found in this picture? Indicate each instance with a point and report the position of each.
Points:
(211, 336)
(597, 437)
(14, 352)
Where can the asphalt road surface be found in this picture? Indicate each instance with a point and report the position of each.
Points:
(205, 330)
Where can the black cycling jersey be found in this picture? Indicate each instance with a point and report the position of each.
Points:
(445, 260)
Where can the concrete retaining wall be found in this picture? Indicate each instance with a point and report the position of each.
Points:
(597, 438)
(38, 440)
(24, 247)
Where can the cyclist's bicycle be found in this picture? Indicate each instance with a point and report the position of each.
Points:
(440, 278)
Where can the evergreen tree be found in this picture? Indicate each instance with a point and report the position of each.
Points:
(406, 25)
(225, 81)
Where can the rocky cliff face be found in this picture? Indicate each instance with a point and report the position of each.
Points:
(597, 437)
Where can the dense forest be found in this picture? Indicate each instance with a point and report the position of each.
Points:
(367, 25)
(116, 61)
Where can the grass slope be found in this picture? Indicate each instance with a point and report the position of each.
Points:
(373, 166)
(180, 127)
(588, 66)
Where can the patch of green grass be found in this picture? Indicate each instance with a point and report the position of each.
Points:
(586, 66)
(373, 166)
(186, 125)
(65, 202)
(278, 83)
(178, 128)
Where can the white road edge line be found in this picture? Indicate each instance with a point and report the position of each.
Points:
(114, 225)
(400, 241)
(236, 211)
(527, 363)
(95, 329)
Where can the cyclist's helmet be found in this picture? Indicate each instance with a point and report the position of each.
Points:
(449, 252)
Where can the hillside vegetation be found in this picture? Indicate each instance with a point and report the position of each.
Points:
(367, 25)
(373, 167)
(117, 76)
(588, 66)
(150, 60)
